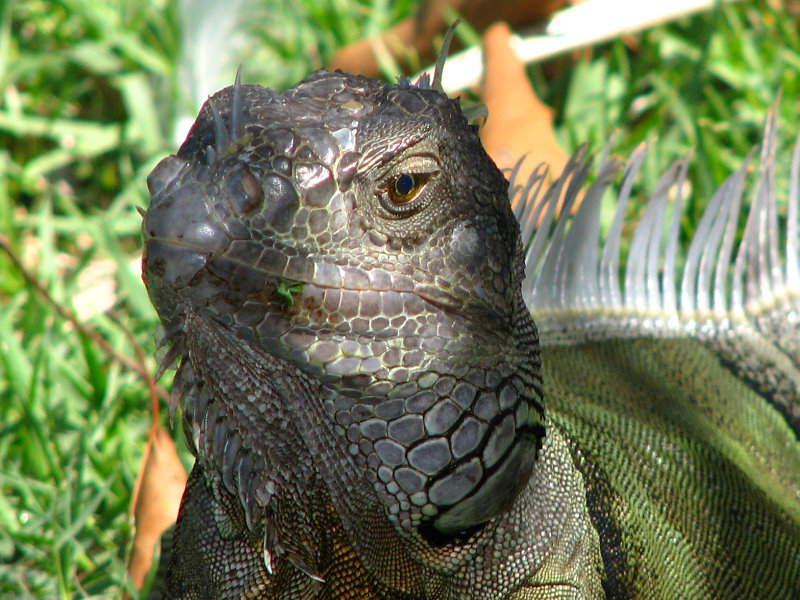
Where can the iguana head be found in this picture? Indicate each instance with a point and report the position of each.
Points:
(357, 230)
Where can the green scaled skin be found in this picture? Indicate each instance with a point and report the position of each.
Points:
(373, 413)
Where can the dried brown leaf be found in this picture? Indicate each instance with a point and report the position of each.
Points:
(159, 496)
(519, 124)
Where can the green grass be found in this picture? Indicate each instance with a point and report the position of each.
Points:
(91, 101)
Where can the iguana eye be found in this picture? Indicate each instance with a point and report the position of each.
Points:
(404, 187)
(402, 190)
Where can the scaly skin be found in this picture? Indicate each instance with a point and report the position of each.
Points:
(339, 271)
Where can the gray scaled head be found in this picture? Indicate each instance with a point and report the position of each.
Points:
(358, 230)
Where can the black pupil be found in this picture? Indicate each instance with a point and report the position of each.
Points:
(404, 184)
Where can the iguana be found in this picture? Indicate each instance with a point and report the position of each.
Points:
(374, 413)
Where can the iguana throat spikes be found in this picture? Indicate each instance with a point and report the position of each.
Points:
(352, 240)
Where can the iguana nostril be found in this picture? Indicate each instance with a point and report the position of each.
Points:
(281, 202)
(245, 192)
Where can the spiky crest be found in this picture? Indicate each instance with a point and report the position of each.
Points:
(573, 281)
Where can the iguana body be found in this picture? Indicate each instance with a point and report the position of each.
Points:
(373, 414)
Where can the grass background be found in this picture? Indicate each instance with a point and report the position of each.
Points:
(93, 93)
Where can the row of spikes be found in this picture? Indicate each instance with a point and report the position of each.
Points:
(569, 272)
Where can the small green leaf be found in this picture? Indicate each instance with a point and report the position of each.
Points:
(287, 289)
